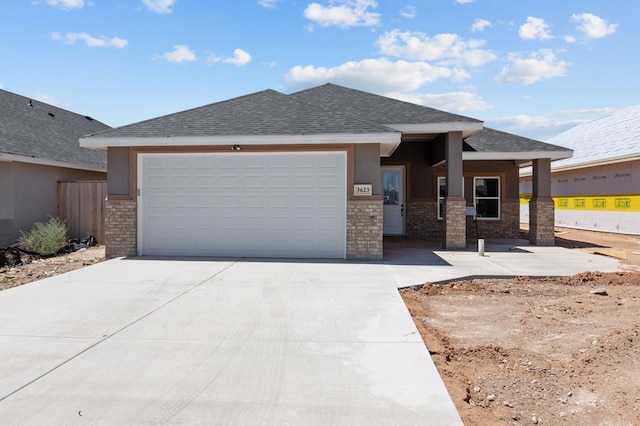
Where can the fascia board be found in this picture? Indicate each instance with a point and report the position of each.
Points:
(51, 163)
(382, 138)
(600, 162)
(523, 155)
(466, 128)
(587, 164)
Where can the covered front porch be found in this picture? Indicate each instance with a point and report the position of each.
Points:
(455, 186)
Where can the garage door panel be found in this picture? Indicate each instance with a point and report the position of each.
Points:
(278, 201)
(303, 181)
(328, 224)
(248, 204)
(303, 202)
(278, 223)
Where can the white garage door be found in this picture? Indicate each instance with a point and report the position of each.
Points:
(243, 204)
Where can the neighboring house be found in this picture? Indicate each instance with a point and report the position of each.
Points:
(321, 173)
(599, 188)
(38, 148)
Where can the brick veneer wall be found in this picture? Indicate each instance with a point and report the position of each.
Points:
(541, 221)
(364, 229)
(421, 220)
(507, 227)
(120, 228)
(455, 229)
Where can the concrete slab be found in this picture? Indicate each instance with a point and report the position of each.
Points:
(416, 262)
(235, 343)
(240, 341)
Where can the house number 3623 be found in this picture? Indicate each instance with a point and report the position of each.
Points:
(362, 190)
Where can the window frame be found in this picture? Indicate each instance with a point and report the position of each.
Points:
(440, 200)
(498, 198)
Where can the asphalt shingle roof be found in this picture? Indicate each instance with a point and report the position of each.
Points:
(262, 113)
(491, 140)
(615, 135)
(46, 132)
(375, 108)
(326, 109)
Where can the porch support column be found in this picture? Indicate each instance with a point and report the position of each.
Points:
(541, 209)
(455, 221)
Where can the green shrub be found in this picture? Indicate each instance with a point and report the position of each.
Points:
(45, 238)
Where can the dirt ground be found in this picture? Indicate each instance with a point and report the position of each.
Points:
(550, 351)
(35, 268)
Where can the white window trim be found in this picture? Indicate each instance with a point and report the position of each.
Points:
(444, 178)
(440, 199)
(499, 197)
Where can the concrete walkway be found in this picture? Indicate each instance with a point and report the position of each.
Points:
(140, 341)
(413, 262)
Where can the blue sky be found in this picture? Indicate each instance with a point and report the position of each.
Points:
(530, 67)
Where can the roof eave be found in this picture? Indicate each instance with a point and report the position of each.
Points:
(517, 156)
(52, 163)
(388, 141)
(467, 128)
(599, 162)
(587, 164)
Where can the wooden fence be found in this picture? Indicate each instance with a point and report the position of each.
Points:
(81, 206)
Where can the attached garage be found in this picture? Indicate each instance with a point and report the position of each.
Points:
(243, 204)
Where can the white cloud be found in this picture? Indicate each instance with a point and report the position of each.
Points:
(408, 12)
(570, 39)
(480, 25)
(458, 102)
(464, 1)
(1, 86)
(344, 13)
(535, 28)
(179, 54)
(159, 6)
(66, 4)
(89, 40)
(380, 75)
(212, 58)
(538, 66)
(239, 58)
(444, 48)
(593, 26)
(45, 99)
(269, 4)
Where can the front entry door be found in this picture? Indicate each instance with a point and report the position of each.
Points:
(393, 193)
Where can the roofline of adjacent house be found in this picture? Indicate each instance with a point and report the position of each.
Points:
(594, 163)
(388, 141)
(518, 155)
(9, 158)
(467, 128)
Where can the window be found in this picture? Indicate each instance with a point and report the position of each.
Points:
(486, 197)
(442, 193)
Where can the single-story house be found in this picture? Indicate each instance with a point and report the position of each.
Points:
(38, 148)
(599, 188)
(321, 173)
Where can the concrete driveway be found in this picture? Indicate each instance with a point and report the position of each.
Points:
(132, 341)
